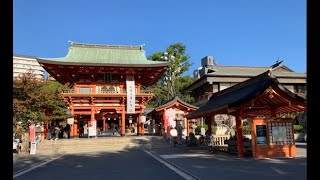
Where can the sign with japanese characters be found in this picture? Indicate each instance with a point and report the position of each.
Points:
(131, 94)
(92, 128)
(33, 147)
(32, 133)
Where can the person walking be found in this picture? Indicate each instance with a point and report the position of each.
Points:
(56, 131)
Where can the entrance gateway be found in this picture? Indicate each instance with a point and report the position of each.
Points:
(106, 84)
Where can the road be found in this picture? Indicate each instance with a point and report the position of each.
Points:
(163, 163)
(133, 164)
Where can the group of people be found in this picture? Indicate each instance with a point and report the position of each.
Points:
(55, 131)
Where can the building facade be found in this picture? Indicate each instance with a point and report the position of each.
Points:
(27, 64)
(106, 85)
(213, 78)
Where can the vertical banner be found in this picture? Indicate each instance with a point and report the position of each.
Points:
(171, 113)
(92, 128)
(32, 133)
(131, 94)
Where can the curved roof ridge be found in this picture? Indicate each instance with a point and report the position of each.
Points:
(233, 66)
(110, 46)
(175, 99)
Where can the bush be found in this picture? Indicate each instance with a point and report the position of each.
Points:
(298, 128)
(213, 128)
(246, 129)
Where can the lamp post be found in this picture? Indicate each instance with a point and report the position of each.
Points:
(169, 78)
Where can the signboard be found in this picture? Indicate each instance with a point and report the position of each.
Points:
(32, 133)
(33, 148)
(261, 131)
(131, 94)
(92, 128)
(70, 121)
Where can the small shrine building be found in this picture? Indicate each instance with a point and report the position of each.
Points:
(263, 101)
(106, 84)
(170, 113)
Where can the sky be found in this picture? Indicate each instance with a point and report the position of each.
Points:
(235, 32)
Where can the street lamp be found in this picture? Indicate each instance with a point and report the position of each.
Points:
(169, 77)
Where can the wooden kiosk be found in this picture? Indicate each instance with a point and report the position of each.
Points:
(106, 84)
(273, 138)
(263, 101)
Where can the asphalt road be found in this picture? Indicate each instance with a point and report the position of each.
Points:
(132, 164)
(163, 163)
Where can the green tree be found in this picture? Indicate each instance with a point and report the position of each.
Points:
(176, 55)
(172, 83)
(26, 104)
(54, 106)
(181, 84)
(33, 100)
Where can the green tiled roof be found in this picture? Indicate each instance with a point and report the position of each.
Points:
(251, 71)
(94, 54)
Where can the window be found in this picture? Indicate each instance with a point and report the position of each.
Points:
(85, 90)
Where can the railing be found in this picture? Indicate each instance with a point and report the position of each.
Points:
(72, 91)
(216, 140)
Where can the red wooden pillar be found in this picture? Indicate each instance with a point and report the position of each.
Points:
(75, 128)
(104, 123)
(92, 114)
(164, 121)
(71, 126)
(123, 122)
(139, 125)
(188, 127)
(239, 135)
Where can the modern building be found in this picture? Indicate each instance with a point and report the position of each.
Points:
(213, 78)
(27, 64)
(106, 85)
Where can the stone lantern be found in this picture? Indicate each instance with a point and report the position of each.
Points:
(193, 126)
(179, 129)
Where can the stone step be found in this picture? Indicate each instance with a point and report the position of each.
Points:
(108, 144)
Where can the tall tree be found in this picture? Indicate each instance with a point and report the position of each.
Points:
(181, 84)
(176, 55)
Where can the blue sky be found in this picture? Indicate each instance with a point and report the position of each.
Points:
(234, 32)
